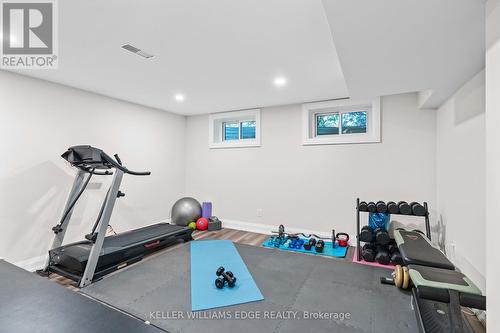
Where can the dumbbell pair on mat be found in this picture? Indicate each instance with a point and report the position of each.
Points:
(224, 277)
(318, 246)
(297, 243)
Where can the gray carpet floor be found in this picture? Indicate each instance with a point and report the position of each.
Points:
(294, 284)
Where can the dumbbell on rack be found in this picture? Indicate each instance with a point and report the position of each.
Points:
(404, 208)
(396, 258)
(394, 253)
(368, 252)
(366, 234)
(383, 256)
(418, 209)
(381, 207)
(372, 207)
(381, 236)
(392, 207)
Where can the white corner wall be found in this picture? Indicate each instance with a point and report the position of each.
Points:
(39, 121)
(461, 179)
(492, 160)
(314, 187)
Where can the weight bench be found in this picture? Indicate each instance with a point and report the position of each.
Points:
(439, 290)
(416, 249)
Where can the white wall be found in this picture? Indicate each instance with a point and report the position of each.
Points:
(314, 187)
(492, 160)
(460, 175)
(39, 121)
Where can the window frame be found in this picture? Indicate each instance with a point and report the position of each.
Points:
(310, 111)
(216, 135)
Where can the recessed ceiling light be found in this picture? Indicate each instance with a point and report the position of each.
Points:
(179, 97)
(280, 81)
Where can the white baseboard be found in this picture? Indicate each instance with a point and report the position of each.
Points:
(267, 228)
(32, 264)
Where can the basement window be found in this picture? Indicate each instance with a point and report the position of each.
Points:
(238, 130)
(341, 122)
(234, 129)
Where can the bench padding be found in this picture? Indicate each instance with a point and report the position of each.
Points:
(423, 276)
(416, 249)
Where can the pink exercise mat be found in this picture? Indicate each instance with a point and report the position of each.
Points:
(362, 262)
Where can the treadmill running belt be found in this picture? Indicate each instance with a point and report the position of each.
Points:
(117, 251)
(140, 235)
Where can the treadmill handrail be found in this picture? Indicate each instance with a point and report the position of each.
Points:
(96, 172)
(118, 166)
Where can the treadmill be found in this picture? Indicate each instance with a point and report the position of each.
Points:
(87, 261)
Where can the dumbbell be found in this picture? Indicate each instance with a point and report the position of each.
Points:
(417, 209)
(372, 207)
(224, 277)
(383, 256)
(298, 243)
(309, 244)
(381, 236)
(392, 246)
(396, 258)
(381, 207)
(320, 246)
(293, 243)
(363, 206)
(366, 234)
(368, 252)
(392, 207)
(404, 208)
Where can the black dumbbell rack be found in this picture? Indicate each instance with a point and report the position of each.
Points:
(426, 216)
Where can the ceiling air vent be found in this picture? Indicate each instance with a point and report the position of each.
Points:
(137, 51)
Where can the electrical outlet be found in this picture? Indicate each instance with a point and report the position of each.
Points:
(260, 213)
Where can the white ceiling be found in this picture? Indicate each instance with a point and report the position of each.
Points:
(221, 54)
(225, 54)
(394, 46)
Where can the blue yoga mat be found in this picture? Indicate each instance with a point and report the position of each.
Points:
(337, 251)
(206, 257)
